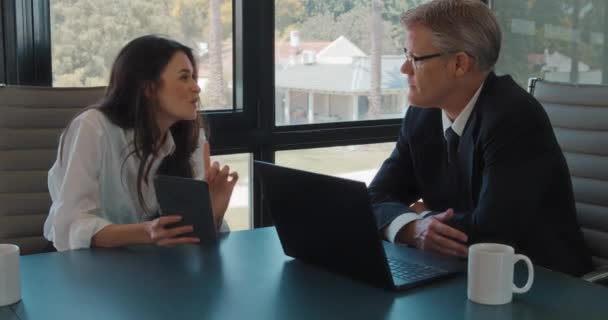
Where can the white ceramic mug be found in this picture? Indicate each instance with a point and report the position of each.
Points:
(10, 287)
(490, 274)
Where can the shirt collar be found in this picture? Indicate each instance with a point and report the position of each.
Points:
(461, 121)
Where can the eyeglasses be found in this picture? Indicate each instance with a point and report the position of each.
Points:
(413, 60)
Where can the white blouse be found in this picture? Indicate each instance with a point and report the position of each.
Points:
(93, 186)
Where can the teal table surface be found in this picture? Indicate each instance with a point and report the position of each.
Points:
(7, 314)
(247, 276)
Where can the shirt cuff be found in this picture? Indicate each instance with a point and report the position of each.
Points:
(398, 223)
(83, 229)
(423, 214)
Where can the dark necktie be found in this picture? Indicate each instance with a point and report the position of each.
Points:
(453, 167)
(452, 141)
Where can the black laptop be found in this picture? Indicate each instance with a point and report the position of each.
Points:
(328, 221)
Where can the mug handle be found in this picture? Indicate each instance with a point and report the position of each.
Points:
(525, 288)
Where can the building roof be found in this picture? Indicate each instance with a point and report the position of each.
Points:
(340, 51)
(340, 67)
(341, 78)
(282, 52)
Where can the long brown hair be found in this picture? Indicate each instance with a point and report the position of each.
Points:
(138, 69)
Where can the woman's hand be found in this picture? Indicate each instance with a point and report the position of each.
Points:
(157, 232)
(221, 184)
(149, 232)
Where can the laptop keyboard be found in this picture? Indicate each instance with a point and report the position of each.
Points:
(413, 271)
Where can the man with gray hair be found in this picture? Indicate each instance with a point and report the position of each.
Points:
(476, 148)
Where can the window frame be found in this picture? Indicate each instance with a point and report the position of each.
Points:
(4, 45)
(248, 128)
(26, 39)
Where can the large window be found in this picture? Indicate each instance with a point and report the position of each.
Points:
(356, 162)
(339, 60)
(558, 40)
(319, 85)
(86, 36)
(300, 78)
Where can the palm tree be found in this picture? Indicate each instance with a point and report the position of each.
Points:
(216, 76)
(574, 54)
(375, 93)
(216, 88)
(605, 55)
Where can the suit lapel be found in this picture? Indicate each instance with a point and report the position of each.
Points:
(433, 131)
(466, 156)
(466, 152)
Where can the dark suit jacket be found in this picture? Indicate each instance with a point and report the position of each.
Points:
(516, 186)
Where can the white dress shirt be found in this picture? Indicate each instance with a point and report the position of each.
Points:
(458, 126)
(93, 186)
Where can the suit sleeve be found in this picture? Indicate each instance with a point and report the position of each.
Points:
(516, 168)
(394, 187)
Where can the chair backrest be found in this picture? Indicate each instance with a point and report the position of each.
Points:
(579, 116)
(31, 121)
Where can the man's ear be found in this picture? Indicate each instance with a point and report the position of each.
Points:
(464, 64)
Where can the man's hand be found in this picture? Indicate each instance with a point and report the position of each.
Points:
(433, 234)
(419, 207)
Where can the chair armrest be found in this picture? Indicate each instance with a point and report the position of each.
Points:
(597, 276)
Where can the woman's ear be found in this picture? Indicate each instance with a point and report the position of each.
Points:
(150, 90)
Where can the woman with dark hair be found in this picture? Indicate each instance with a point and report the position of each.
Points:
(146, 124)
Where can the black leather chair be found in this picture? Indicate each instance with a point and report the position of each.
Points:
(31, 121)
(579, 116)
